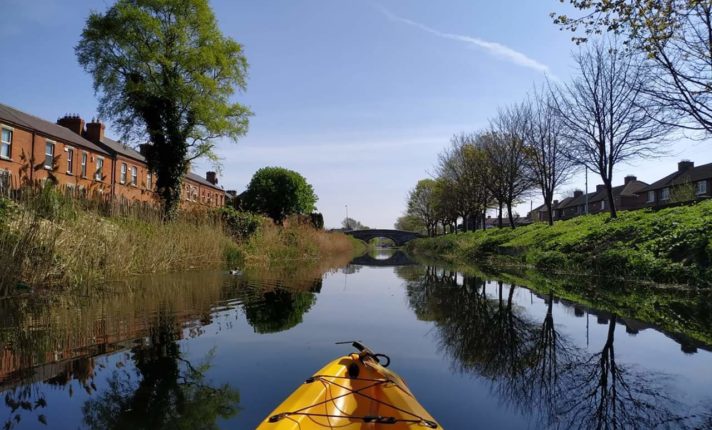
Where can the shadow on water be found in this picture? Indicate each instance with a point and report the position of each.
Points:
(532, 366)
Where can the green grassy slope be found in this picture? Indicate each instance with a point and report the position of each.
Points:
(671, 245)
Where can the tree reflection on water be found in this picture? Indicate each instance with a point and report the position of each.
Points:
(532, 366)
(164, 391)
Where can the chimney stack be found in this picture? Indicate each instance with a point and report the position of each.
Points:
(73, 122)
(95, 131)
(578, 193)
(629, 179)
(212, 177)
(600, 187)
(685, 165)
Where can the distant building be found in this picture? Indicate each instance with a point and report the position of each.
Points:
(78, 156)
(688, 183)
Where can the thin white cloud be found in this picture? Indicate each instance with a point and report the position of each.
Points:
(494, 48)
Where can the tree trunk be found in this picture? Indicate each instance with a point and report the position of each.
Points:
(550, 211)
(499, 215)
(484, 220)
(611, 200)
(509, 215)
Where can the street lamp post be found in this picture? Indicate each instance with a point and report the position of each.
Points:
(347, 217)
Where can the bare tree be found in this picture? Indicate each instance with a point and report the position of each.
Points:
(508, 175)
(676, 38)
(605, 113)
(547, 149)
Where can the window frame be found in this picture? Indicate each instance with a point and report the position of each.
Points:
(70, 159)
(8, 144)
(134, 176)
(149, 180)
(49, 144)
(665, 194)
(698, 191)
(99, 171)
(83, 164)
(651, 196)
(123, 173)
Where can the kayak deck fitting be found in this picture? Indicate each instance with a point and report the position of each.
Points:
(352, 392)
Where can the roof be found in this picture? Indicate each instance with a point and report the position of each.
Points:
(21, 119)
(564, 202)
(629, 189)
(197, 178)
(693, 174)
(123, 149)
(576, 201)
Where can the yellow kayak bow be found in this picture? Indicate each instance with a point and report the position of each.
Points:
(352, 392)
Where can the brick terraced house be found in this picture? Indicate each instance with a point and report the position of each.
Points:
(688, 183)
(79, 156)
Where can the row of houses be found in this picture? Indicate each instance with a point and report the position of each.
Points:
(79, 156)
(687, 184)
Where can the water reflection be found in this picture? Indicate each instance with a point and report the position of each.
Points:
(173, 351)
(384, 258)
(531, 365)
(162, 391)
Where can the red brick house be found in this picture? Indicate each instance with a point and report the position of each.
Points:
(33, 150)
(77, 155)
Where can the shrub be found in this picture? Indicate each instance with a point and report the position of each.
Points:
(240, 225)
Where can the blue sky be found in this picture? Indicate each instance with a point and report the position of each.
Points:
(358, 96)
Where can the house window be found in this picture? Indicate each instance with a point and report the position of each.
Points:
(99, 174)
(701, 187)
(651, 196)
(49, 155)
(134, 176)
(70, 160)
(123, 173)
(665, 194)
(603, 204)
(84, 164)
(149, 181)
(5, 143)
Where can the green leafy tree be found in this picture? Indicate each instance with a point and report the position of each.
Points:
(166, 75)
(422, 205)
(352, 224)
(409, 222)
(278, 192)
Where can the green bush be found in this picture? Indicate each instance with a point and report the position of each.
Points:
(240, 225)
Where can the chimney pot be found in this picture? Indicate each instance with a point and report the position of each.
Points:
(95, 131)
(212, 177)
(73, 123)
(685, 165)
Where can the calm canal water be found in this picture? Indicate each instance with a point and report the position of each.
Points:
(212, 350)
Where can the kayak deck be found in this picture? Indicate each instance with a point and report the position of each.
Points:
(352, 392)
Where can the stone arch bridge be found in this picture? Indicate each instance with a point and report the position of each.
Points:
(399, 237)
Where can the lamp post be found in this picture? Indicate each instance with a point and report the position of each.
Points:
(347, 217)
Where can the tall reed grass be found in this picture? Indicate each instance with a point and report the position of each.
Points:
(50, 239)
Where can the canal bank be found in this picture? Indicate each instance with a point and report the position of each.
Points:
(672, 246)
(50, 240)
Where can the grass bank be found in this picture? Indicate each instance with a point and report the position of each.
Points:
(50, 240)
(672, 246)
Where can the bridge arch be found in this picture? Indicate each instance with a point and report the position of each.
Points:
(399, 237)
